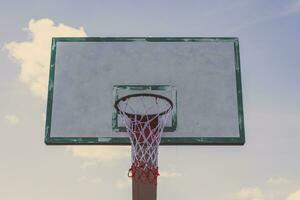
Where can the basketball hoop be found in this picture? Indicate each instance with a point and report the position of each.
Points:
(145, 116)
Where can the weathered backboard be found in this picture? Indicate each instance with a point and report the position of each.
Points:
(200, 75)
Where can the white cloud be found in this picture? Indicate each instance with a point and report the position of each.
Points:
(85, 179)
(249, 193)
(278, 181)
(88, 164)
(123, 183)
(34, 55)
(169, 174)
(11, 119)
(292, 8)
(97, 181)
(82, 179)
(44, 117)
(265, 17)
(294, 196)
(99, 154)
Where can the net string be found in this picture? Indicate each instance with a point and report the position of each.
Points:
(144, 138)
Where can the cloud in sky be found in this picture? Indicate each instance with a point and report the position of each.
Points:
(249, 193)
(278, 181)
(34, 59)
(269, 193)
(169, 174)
(34, 55)
(294, 196)
(82, 179)
(292, 8)
(99, 153)
(11, 119)
(267, 15)
(85, 179)
(97, 181)
(123, 183)
(88, 164)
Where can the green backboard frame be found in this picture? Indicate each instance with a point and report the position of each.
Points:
(165, 141)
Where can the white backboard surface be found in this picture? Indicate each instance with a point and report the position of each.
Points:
(200, 75)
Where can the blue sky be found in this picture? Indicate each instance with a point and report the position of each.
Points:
(266, 168)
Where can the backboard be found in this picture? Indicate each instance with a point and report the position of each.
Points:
(200, 75)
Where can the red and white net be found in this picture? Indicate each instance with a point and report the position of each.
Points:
(145, 116)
